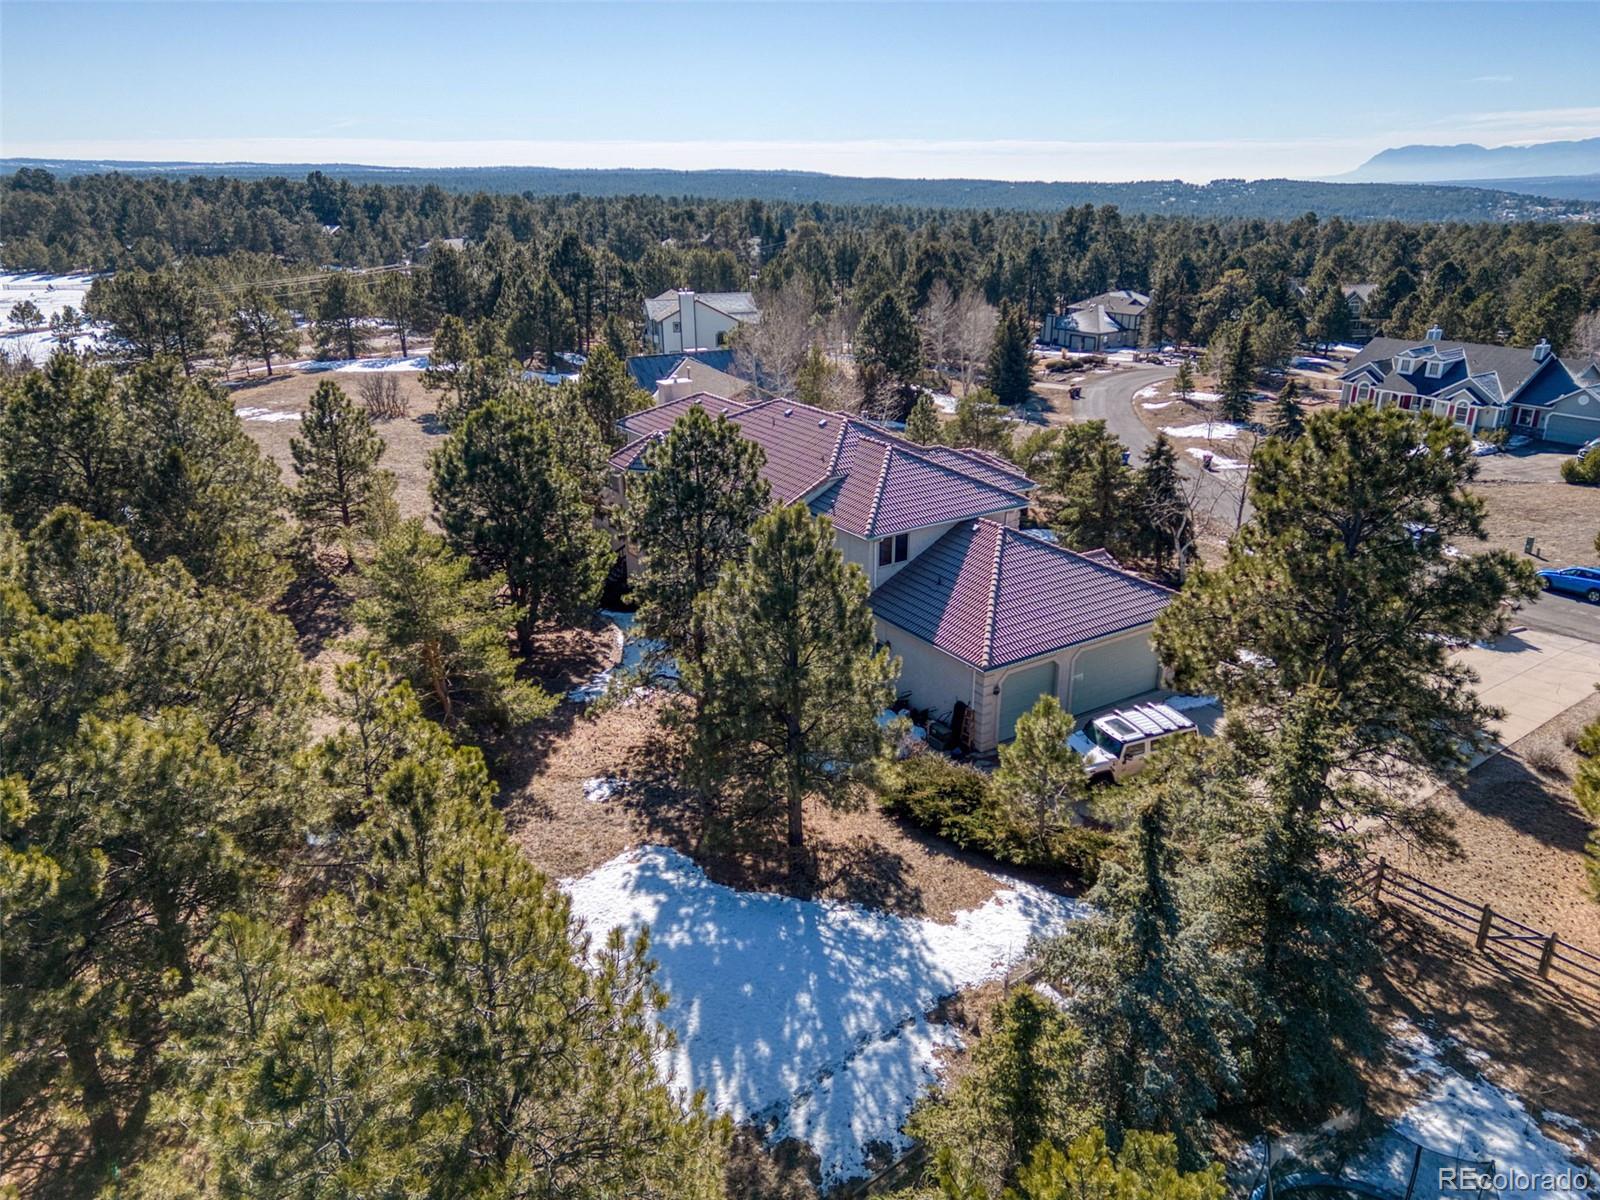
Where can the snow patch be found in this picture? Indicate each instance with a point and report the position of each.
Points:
(600, 789)
(1213, 430)
(313, 366)
(1203, 397)
(265, 414)
(634, 651)
(1473, 1119)
(1219, 462)
(1159, 405)
(807, 1015)
(1147, 392)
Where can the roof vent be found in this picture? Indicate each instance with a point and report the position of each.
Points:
(822, 424)
(1541, 351)
(1435, 334)
(788, 412)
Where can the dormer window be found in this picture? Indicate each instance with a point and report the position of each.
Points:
(1435, 369)
(1405, 365)
(893, 550)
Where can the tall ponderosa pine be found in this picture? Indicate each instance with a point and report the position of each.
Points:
(888, 356)
(1097, 505)
(1341, 580)
(512, 493)
(153, 314)
(340, 314)
(792, 681)
(341, 492)
(444, 631)
(689, 518)
(468, 368)
(1011, 356)
(608, 393)
(1288, 414)
(441, 1027)
(1239, 379)
(161, 455)
(148, 729)
(1155, 1056)
(400, 300)
(258, 327)
(1166, 517)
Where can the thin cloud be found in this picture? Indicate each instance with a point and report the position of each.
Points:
(1492, 79)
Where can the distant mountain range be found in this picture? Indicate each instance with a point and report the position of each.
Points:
(1278, 199)
(1472, 163)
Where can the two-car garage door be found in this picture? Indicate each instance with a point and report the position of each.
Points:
(1101, 675)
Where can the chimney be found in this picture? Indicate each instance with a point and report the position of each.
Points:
(1435, 334)
(671, 388)
(1541, 351)
(686, 329)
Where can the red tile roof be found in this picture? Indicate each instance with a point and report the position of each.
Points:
(661, 417)
(870, 482)
(990, 596)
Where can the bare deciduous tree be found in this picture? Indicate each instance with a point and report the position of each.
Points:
(1586, 335)
(939, 318)
(382, 396)
(773, 348)
(974, 331)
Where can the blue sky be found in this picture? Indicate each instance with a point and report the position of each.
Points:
(1099, 90)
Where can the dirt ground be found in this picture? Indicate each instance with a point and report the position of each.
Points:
(1526, 498)
(408, 440)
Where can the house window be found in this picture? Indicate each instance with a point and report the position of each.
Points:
(1435, 369)
(677, 327)
(1461, 414)
(1404, 365)
(894, 550)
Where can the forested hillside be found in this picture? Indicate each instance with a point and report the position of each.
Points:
(1279, 199)
(1485, 281)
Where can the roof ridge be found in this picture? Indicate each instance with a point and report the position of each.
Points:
(994, 592)
(878, 487)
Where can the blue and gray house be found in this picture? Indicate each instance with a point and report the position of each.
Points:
(1480, 387)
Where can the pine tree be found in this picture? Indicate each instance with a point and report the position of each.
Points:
(619, 337)
(1183, 382)
(444, 631)
(1040, 781)
(792, 682)
(1238, 380)
(468, 368)
(538, 318)
(147, 735)
(922, 425)
(888, 356)
(980, 423)
(400, 300)
(1147, 1167)
(1155, 1055)
(1329, 323)
(341, 312)
(1098, 504)
(817, 381)
(1288, 414)
(442, 1027)
(689, 519)
(153, 314)
(1165, 515)
(1331, 583)
(511, 494)
(1022, 1090)
(608, 393)
(336, 454)
(1011, 357)
(259, 327)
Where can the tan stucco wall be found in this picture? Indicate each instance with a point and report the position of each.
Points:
(934, 679)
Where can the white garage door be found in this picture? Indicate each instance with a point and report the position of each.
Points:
(1019, 692)
(1114, 671)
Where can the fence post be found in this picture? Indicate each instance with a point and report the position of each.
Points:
(1483, 926)
(1377, 883)
(1547, 956)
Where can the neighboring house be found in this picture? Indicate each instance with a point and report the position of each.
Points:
(1105, 322)
(682, 320)
(701, 371)
(1480, 387)
(983, 618)
(1356, 296)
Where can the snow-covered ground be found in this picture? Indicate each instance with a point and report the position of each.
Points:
(634, 650)
(1147, 393)
(266, 415)
(1158, 405)
(1213, 430)
(50, 294)
(417, 362)
(1474, 1119)
(806, 1016)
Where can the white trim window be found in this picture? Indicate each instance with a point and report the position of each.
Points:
(1435, 369)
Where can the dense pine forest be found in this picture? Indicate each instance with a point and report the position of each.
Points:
(1478, 281)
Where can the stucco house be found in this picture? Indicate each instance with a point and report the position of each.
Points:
(983, 617)
(1109, 321)
(1480, 387)
(682, 320)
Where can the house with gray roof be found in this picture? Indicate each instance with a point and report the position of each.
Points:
(1109, 321)
(1480, 387)
(983, 618)
(683, 320)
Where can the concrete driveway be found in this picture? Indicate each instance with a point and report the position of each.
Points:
(1534, 675)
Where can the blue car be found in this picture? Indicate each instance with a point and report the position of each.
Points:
(1574, 581)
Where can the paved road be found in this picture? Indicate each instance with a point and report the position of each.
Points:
(1110, 398)
(1568, 615)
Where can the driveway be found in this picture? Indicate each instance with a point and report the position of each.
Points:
(1534, 675)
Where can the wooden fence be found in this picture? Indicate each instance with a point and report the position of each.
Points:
(1536, 951)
